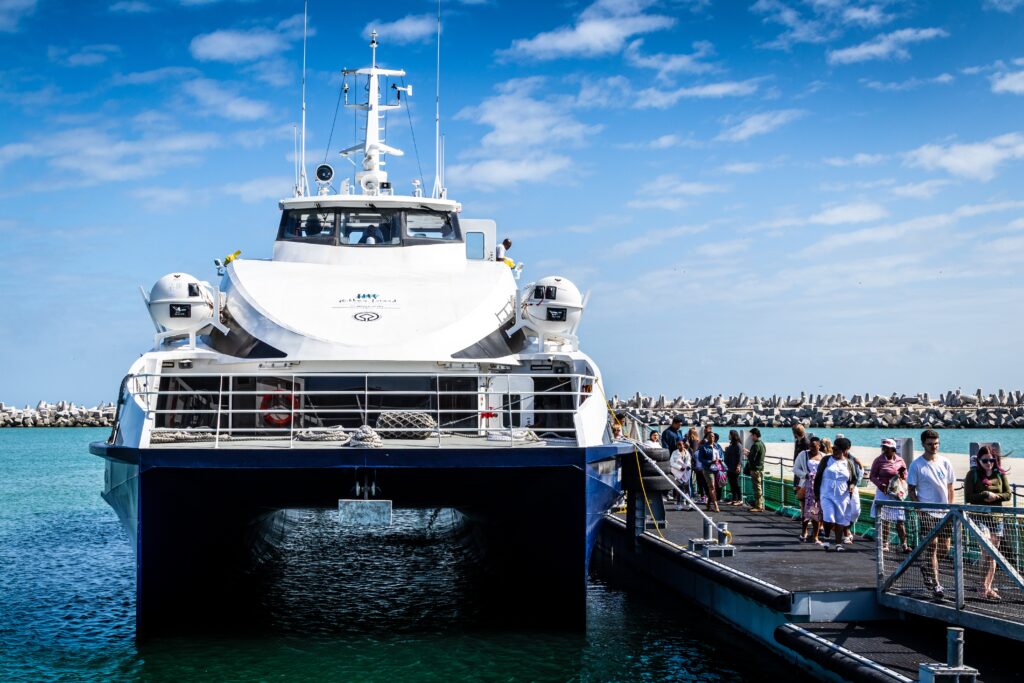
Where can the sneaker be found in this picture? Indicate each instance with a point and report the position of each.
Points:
(938, 592)
(848, 540)
(678, 507)
(818, 541)
(929, 582)
(840, 549)
(826, 546)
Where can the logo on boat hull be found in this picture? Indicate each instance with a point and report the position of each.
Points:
(366, 316)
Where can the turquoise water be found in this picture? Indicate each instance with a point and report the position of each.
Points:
(386, 607)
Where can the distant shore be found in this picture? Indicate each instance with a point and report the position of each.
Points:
(62, 414)
(951, 410)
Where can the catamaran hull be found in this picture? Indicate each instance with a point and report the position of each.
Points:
(199, 518)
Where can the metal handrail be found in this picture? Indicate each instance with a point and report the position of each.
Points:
(147, 389)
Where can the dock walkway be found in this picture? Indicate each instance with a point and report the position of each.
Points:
(817, 608)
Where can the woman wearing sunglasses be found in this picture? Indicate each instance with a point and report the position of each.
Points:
(986, 484)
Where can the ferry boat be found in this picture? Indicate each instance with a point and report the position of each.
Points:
(386, 356)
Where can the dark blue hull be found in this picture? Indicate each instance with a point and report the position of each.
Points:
(199, 517)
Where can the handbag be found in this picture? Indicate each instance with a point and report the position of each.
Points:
(801, 493)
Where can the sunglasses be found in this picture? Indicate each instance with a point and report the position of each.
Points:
(987, 461)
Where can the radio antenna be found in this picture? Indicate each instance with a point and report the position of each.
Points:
(438, 183)
(303, 183)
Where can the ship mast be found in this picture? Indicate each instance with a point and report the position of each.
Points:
(373, 178)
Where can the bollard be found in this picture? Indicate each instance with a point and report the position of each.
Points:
(723, 533)
(953, 671)
(709, 534)
(954, 647)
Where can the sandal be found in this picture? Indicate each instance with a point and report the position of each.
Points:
(905, 549)
(991, 594)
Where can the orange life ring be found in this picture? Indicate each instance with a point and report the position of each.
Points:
(278, 400)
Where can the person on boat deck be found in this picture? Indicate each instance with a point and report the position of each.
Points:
(986, 484)
(886, 467)
(501, 251)
(654, 437)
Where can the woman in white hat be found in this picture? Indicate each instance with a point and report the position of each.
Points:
(884, 469)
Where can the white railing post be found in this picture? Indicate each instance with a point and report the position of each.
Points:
(291, 422)
(437, 394)
(220, 395)
(508, 397)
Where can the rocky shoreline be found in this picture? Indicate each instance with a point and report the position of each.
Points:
(952, 410)
(63, 414)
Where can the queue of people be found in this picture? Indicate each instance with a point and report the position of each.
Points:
(827, 478)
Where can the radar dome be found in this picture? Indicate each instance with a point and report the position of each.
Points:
(179, 301)
(553, 305)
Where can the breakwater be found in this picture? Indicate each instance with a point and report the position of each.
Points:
(62, 414)
(951, 410)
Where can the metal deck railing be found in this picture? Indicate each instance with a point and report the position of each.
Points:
(969, 549)
(416, 409)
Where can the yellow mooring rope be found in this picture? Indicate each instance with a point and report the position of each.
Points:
(640, 476)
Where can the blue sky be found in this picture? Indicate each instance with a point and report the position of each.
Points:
(762, 195)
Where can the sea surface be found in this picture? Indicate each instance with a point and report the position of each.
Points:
(337, 606)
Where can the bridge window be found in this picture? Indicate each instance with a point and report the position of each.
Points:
(316, 226)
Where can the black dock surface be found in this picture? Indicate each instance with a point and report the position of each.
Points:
(768, 547)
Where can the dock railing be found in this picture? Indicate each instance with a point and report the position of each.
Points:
(418, 409)
(975, 553)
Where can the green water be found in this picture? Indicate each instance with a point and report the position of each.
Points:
(389, 607)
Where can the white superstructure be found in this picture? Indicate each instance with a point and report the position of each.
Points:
(366, 282)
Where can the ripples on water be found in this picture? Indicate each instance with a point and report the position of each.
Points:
(337, 605)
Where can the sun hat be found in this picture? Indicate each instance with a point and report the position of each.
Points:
(888, 443)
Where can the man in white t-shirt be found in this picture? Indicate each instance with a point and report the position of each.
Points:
(930, 480)
(501, 251)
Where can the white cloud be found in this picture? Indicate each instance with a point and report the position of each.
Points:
(759, 124)
(1004, 5)
(885, 46)
(670, 192)
(99, 157)
(872, 15)
(668, 141)
(978, 161)
(256, 190)
(657, 98)
(909, 84)
(130, 7)
(669, 64)
(492, 174)
(90, 55)
(856, 212)
(741, 167)
(718, 250)
(165, 198)
(923, 190)
(601, 29)
(412, 28)
(890, 232)
(523, 128)
(653, 238)
(12, 12)
(797, 28)
(859, 159)
(240, 46)
(1012, 82)
(517, 118)
(216, 99)
(163, 73)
